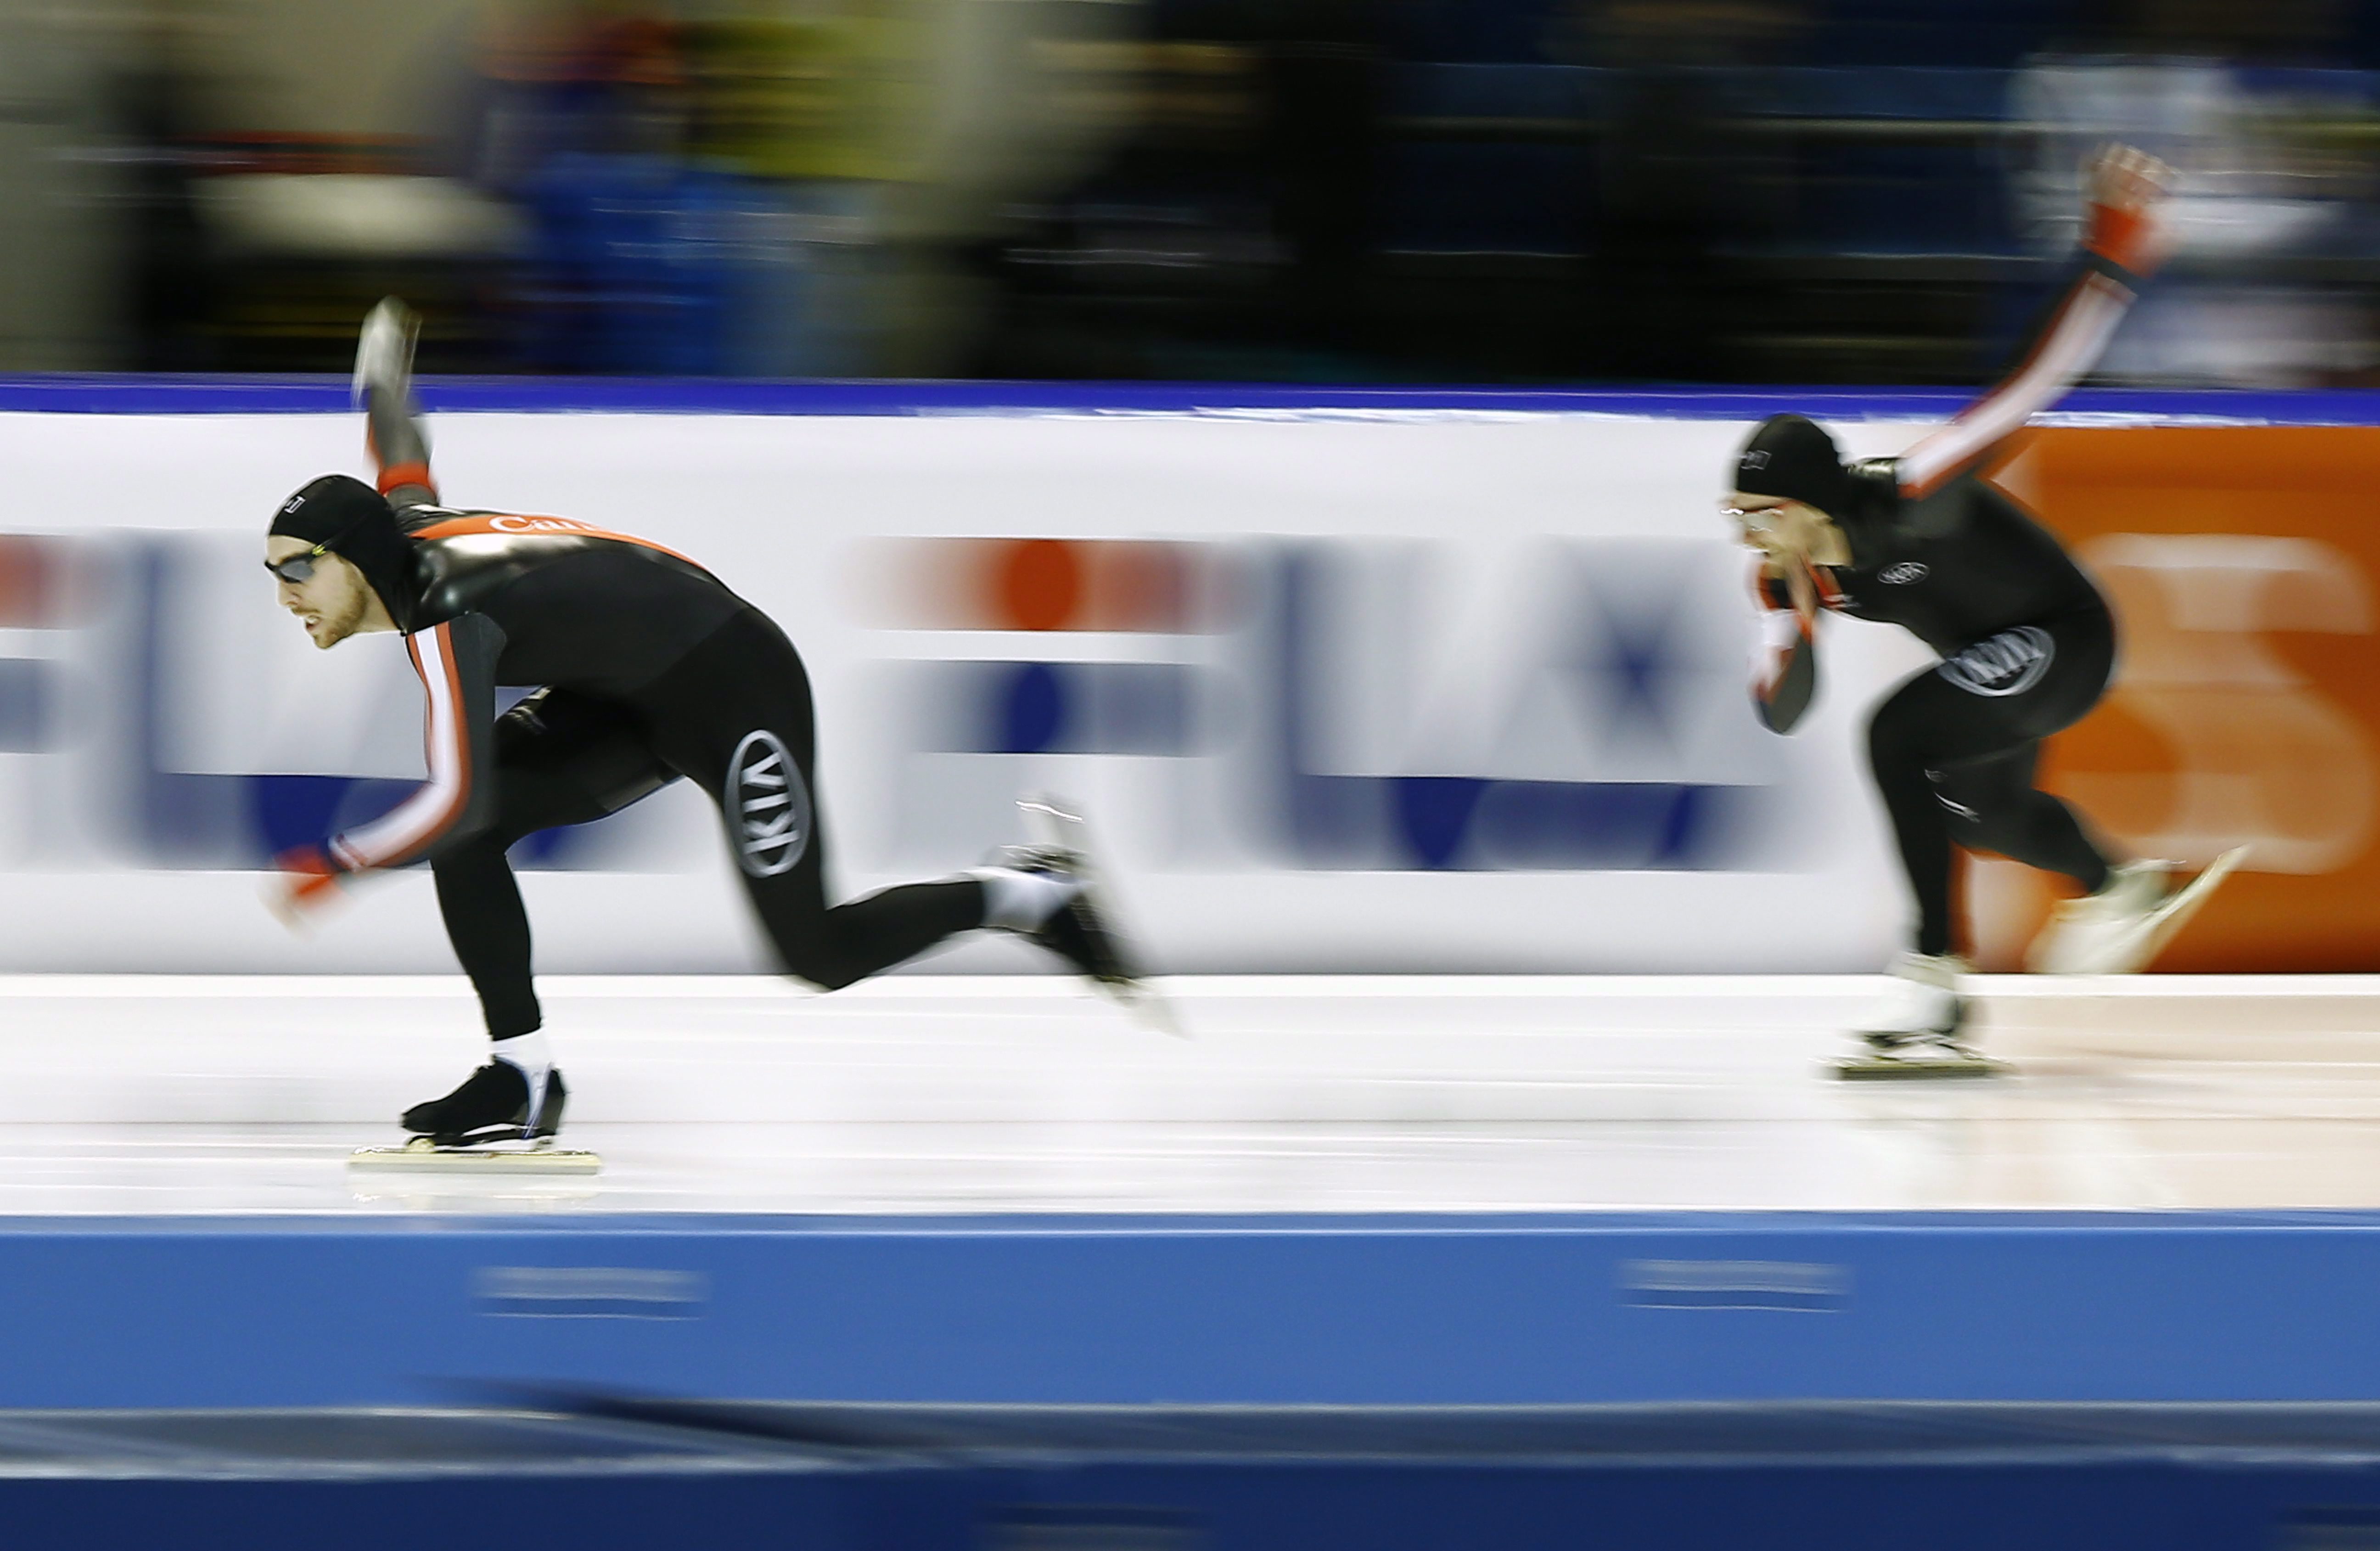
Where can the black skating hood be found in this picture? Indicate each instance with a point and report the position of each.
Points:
(357, 523)
(1792, 456)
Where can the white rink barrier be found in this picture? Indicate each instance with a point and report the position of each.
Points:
(1424, 688)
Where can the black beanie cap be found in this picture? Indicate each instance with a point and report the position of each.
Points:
(1792, 455)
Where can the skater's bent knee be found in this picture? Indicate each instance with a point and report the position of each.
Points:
(825, 972)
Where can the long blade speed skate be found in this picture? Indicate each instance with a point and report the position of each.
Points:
(1930, 1061)
(1913, 1030)
(1084, 931)
(424, 1155)
(2121, 930)
(2169, 919)
(502, 1119)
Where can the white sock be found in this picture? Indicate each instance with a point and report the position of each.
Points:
(529, 1054)
(1021, 901)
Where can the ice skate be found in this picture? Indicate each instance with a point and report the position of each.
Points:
(1082, 931)
(1913, 1031)
(497, 1121)
(2120, 929)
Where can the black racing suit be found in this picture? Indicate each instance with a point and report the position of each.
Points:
(2026, 641)
(2027, 648)
(647, 668)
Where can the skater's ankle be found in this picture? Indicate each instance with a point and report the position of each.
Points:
(1933, 969)
(1023, 901)
(528, 1051)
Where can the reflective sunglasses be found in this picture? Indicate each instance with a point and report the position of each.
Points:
(1753, 520)
(300, 567)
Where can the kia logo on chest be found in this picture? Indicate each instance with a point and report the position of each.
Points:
(1903, 573)
(769, 805)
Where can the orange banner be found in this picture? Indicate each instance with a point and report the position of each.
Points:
(2241, 564)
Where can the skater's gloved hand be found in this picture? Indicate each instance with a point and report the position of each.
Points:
(384, 352)
(2122, 224)
(305, 883)
(1790, 580)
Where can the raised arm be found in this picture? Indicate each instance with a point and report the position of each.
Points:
(383, 391)
(2122, 244)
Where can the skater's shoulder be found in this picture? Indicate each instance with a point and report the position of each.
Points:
(1935, 513)
(1874, 511)
(414, 518)
(1874, 487)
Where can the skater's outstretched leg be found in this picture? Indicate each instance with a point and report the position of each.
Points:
(2118, 923)
(735, 716)
(1993, 806)
(831, 947)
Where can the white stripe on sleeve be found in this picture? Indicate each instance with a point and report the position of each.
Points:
(2071, 349)
(416, 821)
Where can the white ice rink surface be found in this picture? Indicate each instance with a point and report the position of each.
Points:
(153, 1095)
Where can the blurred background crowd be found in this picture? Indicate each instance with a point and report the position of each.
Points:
(1347, 190)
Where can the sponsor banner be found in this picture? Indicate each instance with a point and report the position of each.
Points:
(2246, 706)
(1397, 689)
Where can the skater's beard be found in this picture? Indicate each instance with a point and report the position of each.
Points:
(334, 631)
(332, 619)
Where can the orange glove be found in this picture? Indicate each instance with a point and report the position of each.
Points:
(2122, 223)
(306, 883)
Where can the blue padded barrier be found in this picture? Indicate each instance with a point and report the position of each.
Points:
(1503, 1311)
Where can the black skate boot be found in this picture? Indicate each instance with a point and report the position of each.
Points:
(494, 1105)
(1079, 931)
(1074, 931)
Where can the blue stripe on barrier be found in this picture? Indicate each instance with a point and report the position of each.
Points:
(1553, 1309)
(632, 1475)
(2299, 1500)
(247, 395)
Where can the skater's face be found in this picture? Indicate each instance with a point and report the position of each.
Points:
(1781, 529)
(333, 602)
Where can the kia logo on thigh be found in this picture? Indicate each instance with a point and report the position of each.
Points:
(770, 806)
(2007, 663)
